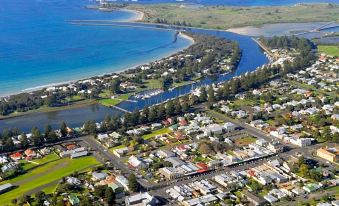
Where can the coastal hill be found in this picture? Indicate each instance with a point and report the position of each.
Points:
(223, 17)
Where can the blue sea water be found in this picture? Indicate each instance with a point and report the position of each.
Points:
(39, 46)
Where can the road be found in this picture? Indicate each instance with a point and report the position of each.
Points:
(249, 129)
(101, 153)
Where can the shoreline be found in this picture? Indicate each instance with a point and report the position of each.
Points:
(139, 17)
(83, 103)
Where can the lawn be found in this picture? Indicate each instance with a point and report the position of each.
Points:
(45, 174)
(48, 158)
(153, 84)
(109, 102)
(156, 132)
(243, 141)
(332, 50)
(76, 98)
(112, 102)
(244, 102)
(50, 189)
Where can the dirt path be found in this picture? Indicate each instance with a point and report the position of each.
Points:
(26, 180)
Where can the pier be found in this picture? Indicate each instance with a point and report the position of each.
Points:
(267, 50)
(121, 109)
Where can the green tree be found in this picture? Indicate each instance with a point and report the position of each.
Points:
(48, 130)
(211, 96)
(109, 195)
(203, 94)
(152, 115)
(169, 109)
(100, 190)
(39, 198)
(133, 183)
(36, 137)
(63, 129)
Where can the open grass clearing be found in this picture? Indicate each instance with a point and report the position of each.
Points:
(112, 102)
(37, 162)
(244, 141)
(46, 174)
(153, 84)
(165, 130)
(332, 50)
(109, 102)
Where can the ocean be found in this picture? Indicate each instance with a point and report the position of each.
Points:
(39, 46)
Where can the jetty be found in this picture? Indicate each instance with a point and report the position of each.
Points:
(121, 109)
(117, 24)
(267, 50)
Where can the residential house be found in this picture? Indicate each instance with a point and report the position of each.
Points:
(254, 199)
(136, 162)
(120, 152)
(73, 199)
(97, 176)
(141, 199)
(16, 156)
(329, 154)
(123, 181)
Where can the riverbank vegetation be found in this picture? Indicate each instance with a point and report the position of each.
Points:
(223, 17)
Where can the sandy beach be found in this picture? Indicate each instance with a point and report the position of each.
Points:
(182, 35)
(32, 89)
(138, 15)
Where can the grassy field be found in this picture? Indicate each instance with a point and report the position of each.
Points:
(153, 84)
(221, 17)
(156, 132)
(112, 102)
(243, 141)
(35, 163)
(45, 174)
(332, 50)
(109, 102)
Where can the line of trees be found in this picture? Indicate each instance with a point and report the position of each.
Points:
(37, 139)
(177, 23)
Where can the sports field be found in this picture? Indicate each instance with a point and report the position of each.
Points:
(332, 50)
(45, 174)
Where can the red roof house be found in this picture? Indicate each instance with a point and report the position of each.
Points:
(183, 122)
(30, 153)
(16, 156)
